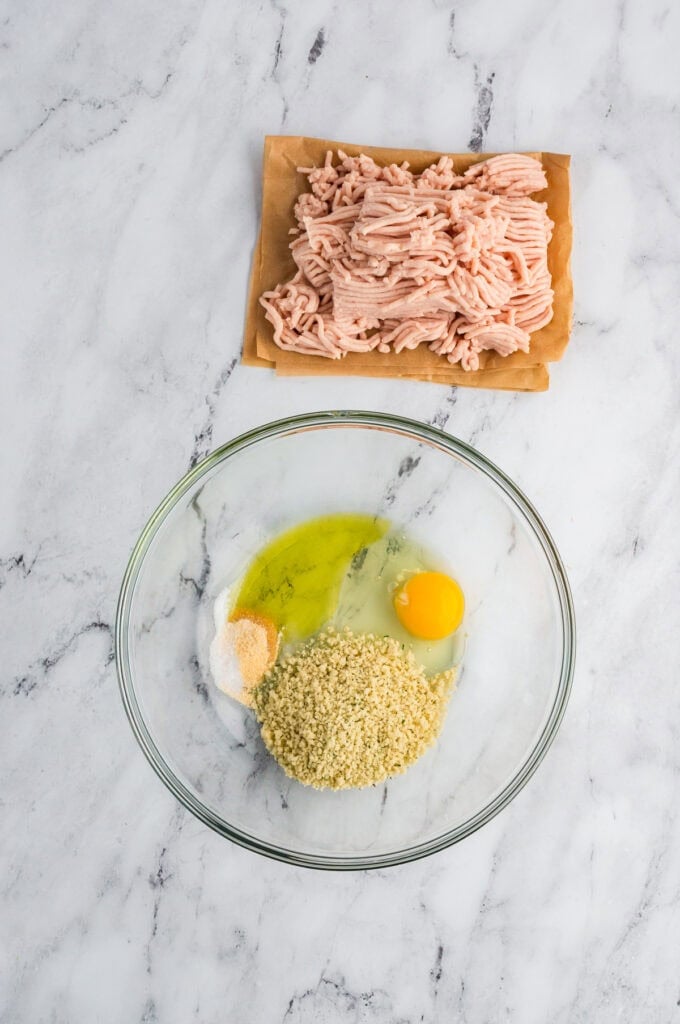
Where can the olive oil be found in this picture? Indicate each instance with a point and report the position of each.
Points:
(295, 580)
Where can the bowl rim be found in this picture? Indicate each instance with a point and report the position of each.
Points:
(450, 445)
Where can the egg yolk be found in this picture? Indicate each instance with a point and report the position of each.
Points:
(430, 605)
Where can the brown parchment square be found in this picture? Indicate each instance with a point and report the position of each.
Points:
(273, 263)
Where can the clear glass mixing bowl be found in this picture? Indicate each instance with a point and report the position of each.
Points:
(517, 667)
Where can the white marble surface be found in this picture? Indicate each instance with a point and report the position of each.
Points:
(129, 175)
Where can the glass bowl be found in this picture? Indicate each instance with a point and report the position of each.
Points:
(516, 672)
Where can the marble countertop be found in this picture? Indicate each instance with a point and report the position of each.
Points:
(130, 148)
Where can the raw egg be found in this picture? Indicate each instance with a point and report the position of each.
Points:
(430, 605)
(366, 603)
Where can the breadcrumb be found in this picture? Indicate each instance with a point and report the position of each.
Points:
(347, 710)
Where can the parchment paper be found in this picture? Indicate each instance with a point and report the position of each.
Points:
(272, 264)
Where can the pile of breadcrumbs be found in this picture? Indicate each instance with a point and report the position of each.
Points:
(347, 710)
